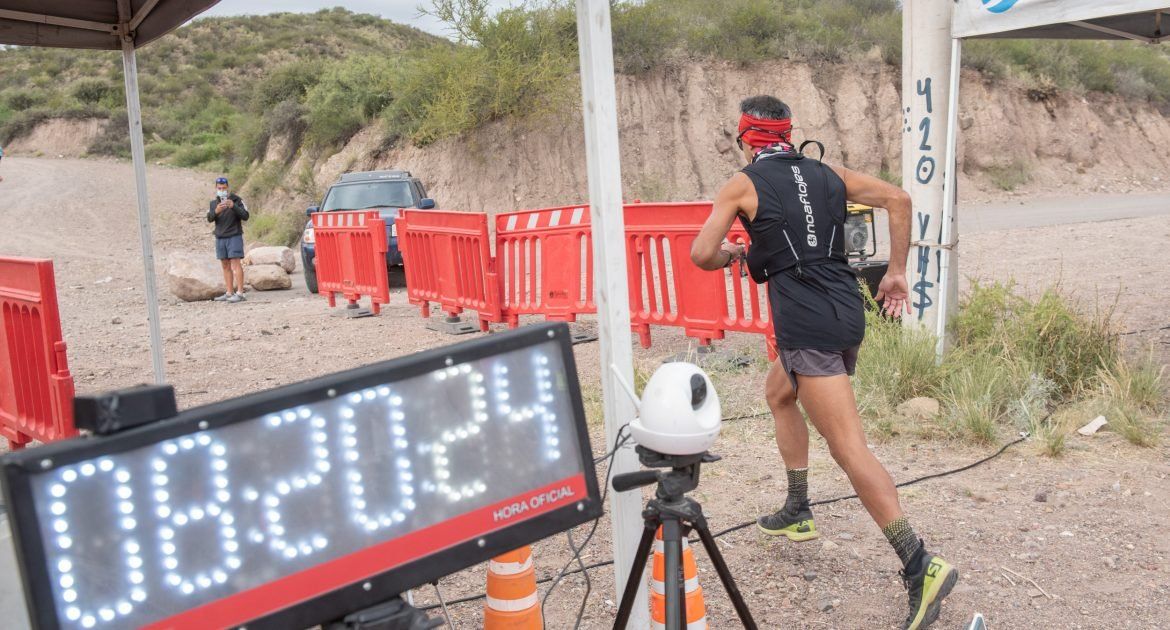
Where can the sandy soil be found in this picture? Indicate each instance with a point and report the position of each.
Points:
(1096, 546)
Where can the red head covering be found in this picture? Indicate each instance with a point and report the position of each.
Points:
(761, 132)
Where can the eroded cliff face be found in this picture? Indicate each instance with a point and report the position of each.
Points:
(678, 132)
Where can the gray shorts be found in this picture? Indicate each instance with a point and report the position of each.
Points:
(808, 362)
(229, 247)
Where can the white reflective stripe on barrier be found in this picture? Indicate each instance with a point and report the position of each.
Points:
(690, 585)
(513, 605)
(694, 625)
(555, 219)
(577, 212)
(512, 222)
(532, 219)
(510, 568)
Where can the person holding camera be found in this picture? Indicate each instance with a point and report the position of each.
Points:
(228, 212)
(793, 207)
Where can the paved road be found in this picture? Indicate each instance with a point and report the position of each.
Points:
(1026, 213)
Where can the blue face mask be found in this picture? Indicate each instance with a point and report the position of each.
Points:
(222, 194)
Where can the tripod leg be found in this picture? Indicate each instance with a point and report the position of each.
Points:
(741, 609)
(634, 581)
(673, 585)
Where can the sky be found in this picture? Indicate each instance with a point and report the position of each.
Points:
(401, 11)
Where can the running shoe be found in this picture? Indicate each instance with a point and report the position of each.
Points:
(797, 525)
(929, 579)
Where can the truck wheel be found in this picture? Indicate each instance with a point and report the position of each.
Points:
(311, 278)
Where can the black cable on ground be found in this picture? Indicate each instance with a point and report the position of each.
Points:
(605, 563)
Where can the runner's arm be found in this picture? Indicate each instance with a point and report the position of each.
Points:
(708, 252)
(871, 191)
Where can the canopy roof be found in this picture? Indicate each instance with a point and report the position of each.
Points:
(1141, 20)
(92, 23)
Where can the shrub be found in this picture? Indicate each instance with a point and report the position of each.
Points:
(91, 91)
(1010, 176)
(350, 94)
(20, 100)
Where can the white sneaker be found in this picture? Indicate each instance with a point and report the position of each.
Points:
(222, 298)
(240, 294)
(235, 298)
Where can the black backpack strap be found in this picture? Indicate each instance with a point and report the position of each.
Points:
(816, 142)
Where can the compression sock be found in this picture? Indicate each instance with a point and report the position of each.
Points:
(903, 539)
(797, 490)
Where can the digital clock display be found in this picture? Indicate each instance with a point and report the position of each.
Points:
(289, 495)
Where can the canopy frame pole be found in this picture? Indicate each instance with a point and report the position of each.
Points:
(1112, 31)
(138, 153)
(949, 235)
(611, 291)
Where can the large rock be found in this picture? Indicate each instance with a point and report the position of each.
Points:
(267, 277)
(193, 277)
(282, 256)
(921, 408)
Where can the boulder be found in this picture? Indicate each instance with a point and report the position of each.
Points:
(267, 277)
(921, 408)
(282, 256)
(193, 277)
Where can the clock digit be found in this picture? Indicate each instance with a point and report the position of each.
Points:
(438, 451)
(209, 510)
(66, 577)
(539, 410)
(273, 502)
(387, 405)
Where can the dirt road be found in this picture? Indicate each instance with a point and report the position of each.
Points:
(1096, 545)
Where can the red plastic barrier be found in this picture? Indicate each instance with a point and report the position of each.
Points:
(545, 261)
(36, 389)
(351, 256)
(447, 258)
(667, 289)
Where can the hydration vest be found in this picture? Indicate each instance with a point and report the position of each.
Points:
(800, 215)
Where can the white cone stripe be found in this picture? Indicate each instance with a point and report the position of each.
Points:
(509, 568)
(512, 605)
(694, 625)
(690, 585)
(659, 548)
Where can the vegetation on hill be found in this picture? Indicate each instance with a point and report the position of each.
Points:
(217, 92)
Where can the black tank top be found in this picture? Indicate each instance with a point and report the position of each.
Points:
(798, 248)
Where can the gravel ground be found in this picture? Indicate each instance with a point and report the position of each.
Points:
(1053, 521)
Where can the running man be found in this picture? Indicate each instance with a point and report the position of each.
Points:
(794, 209)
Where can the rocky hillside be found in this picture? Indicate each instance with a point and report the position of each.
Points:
(678, 130)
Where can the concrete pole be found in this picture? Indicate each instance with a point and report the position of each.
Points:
(599, 103)
(138, 153)
(926, 77)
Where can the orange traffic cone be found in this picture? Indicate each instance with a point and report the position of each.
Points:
(696, 609)
(512, 603)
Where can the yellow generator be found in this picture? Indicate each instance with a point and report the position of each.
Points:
(861, 245)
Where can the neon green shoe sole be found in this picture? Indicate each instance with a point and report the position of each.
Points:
(800, 531)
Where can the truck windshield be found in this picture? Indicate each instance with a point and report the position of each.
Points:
(369, 195)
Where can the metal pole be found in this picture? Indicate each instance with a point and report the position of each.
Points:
(949, 238)
(926, 42)
(599, 108)
(138, 152)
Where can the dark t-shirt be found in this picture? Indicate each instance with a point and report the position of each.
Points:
(229, 222)
(798, 237)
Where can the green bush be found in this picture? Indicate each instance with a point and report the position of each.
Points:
(20, 100)
(350, 94)
(91, 91)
